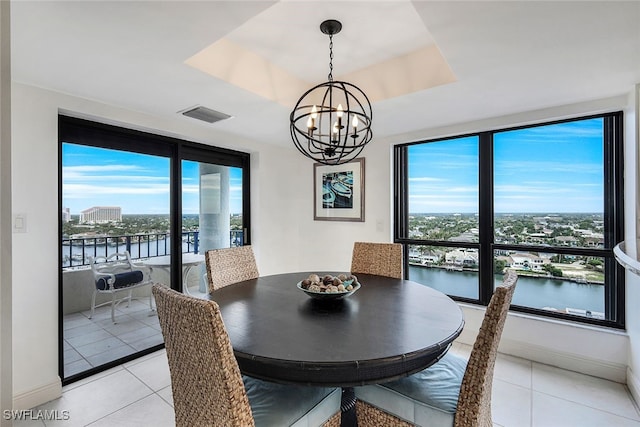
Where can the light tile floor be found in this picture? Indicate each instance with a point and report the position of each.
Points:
(96, 341)
(525, 394)
(93, 342)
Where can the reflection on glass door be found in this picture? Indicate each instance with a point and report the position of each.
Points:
(211, 217)
(114, 202)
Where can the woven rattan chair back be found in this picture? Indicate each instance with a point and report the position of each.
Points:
(230, 265)
(382, 259)
(474, 400)
(205, 379)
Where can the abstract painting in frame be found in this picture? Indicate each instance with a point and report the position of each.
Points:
(338, 191)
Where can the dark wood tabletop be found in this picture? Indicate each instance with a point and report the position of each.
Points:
(388, 329)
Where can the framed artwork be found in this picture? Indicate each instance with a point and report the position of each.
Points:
(338, 191)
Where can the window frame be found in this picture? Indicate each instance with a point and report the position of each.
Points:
(613, 210)
(101, 135)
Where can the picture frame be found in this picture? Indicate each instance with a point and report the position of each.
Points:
(338, 191)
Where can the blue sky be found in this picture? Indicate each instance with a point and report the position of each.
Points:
(138, 183)
(549, 169)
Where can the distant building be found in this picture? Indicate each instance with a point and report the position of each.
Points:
(526, 261)
(462, 257)
(101, 214)
(66, 215)
(566, 240)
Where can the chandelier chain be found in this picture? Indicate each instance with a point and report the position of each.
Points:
(330, 77)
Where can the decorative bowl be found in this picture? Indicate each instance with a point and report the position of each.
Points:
(328, 295)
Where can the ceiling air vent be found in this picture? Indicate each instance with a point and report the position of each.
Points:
(205, 114)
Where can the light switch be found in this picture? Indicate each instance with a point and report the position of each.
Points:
(20, 223)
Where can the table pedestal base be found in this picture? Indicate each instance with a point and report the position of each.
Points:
(348, 408)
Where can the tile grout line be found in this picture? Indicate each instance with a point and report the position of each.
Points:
(127, 405)
(633, 401)
(585, 406)
(531, 394)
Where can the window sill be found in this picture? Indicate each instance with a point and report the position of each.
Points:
(553, 321)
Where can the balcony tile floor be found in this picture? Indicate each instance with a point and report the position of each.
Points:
(525, 393)
(93, 342)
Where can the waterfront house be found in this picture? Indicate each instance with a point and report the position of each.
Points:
(524, 261)
(502, 64)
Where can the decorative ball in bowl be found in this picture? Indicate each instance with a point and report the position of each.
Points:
(328, 286)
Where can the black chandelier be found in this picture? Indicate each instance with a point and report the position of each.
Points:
(331, 122)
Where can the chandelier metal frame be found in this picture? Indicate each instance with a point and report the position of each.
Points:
(331, 122)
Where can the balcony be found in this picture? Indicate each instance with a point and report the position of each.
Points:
(76, 251)
(89, 343)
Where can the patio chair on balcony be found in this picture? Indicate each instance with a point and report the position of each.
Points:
(117, 273)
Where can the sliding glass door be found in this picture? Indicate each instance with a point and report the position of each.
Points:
(161, 202)
(114, 201)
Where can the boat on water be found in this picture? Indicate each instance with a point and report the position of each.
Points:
(328, 197)
(341, 189)
(346, 180)
(578, 312)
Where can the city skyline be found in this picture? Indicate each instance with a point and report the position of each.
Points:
(138, 183)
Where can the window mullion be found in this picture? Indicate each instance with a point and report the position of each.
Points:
(614, 214)
(400, 192)
(401, 202)
(485, 220)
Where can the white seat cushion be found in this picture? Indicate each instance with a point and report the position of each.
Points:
(278, 405)
(428, 397)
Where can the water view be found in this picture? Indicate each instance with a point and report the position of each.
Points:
(567, 283)
(543, 293)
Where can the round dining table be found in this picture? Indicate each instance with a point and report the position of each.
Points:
(389, 328)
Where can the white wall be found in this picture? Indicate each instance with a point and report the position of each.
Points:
(327, 245)
(34, 193)
(285, 236)
(632, 178)
(5, 212)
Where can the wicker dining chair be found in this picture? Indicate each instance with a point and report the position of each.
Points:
(452, 391)
(208, 388)
(230, 265)
(382, 259)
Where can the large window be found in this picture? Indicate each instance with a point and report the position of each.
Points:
(544, 200)
(165, 201)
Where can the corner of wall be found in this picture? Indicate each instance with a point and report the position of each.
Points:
(38, 395)
(6, 254)
(633, 383)
(632, 137)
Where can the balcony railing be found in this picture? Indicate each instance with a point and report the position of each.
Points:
(76, 252)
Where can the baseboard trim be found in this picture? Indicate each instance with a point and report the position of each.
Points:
(570, 361)
(633, 384)
(38, 396)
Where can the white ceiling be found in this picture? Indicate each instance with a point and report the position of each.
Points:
(501, 57)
